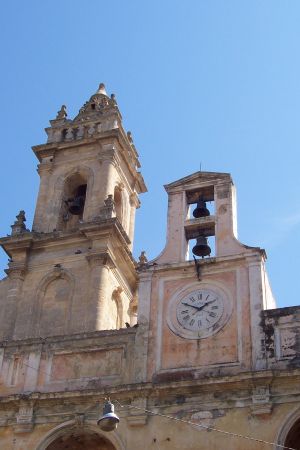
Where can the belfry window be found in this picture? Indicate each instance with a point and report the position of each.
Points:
(76, 203)
(73, 202)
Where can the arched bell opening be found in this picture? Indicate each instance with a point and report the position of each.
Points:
(200, 224)
(73, 202)
(81, 440)
(293, 437)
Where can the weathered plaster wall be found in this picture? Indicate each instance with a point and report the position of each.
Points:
(67, 363)
(233, 414)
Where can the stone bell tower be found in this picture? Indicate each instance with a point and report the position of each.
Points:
(74, 271)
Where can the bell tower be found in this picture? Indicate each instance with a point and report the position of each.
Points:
(74, 270)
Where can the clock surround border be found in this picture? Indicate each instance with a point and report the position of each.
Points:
(180, 293)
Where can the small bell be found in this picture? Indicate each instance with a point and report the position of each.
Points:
(76, 205)
(109, 421)
(201, 210)
(201, 248)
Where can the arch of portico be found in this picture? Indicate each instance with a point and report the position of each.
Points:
(289, 434)
(70, 436)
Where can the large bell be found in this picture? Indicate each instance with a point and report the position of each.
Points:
(76, 205)
(201, 210)
(201, 248)
(109, 421)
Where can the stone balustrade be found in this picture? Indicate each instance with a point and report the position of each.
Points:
(76, 132)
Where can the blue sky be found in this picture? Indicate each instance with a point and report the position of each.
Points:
(216, 82)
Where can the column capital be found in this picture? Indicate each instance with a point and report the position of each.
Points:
(16, 271)
(100, 259)
(109, 155)
(134, 200)
(44, 168)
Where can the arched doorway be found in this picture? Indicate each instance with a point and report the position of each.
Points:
(293, 437)
(81, 440)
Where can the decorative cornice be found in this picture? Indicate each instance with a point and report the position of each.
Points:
(233, 383)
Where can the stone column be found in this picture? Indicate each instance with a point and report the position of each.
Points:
(100, 265)
(16, 277)
(39, 222)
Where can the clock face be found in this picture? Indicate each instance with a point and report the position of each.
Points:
(199, 310)
(199, 313)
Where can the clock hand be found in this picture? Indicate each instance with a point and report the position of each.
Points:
(199, 307)
(210, 301)
(188, 304)
(206, 303)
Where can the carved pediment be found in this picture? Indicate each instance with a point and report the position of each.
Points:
(197, 178)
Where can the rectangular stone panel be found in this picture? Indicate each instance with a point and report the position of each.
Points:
(86, 364)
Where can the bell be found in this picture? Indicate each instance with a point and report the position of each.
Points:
(76, 205)
(201, 248)
(109, 421)
(201, 210)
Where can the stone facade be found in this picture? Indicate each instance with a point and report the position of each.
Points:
(198, 341)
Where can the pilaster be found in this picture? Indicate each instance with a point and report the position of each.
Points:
(100, 266)
(16, 274)
(44, 171)
(259, 361)
(134, 205)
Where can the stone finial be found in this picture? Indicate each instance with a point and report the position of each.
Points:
(113, 99)
(62, 113)
(143, 259)
(108, 210)
(101, 89)
(19, 225)
(129, 135)
(109, 201)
